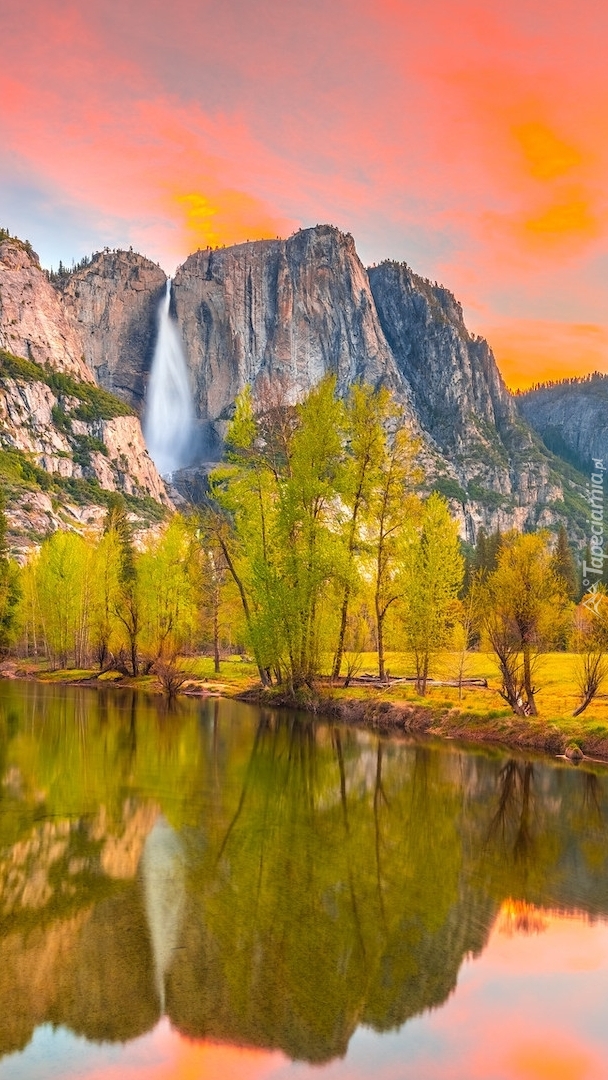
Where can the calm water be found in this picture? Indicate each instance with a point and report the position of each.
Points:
(218, 891)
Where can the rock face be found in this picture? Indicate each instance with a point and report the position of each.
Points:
(46, 425)
(33, 320)
(61, 452)
(292, 309)
(463, 404)
(63, 440)
(571, 418)
(301, 308)
(113, 302)
(459, 394)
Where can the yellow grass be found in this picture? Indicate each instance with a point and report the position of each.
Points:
(556, 699)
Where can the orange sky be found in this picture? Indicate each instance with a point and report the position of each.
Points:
(532, 1006)
(467, 138)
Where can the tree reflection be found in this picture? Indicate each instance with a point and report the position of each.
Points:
(511, 821)
(303, 879)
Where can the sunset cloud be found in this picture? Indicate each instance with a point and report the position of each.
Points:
(466, 138)
(226, 217)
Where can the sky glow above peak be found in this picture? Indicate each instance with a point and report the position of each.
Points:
(466, 138)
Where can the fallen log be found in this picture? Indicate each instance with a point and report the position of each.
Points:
(375, 680)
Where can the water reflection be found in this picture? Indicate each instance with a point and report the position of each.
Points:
(261, 880)
(163, 875)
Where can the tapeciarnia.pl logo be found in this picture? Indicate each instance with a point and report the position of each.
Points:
(592, 572)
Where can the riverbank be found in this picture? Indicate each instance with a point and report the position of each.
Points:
(566, 737)
(479, 714)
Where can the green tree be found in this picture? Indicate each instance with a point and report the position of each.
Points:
(106, 595)
(238, 518)
(564, 564)
(432, 578)
(167, 592)
(304, 542)
(591, 667)
(486, 551)
(275, 516)
(10, 589)
(127, 600)
(392, 508)
(525, 603)
(63, 585)
(367, 413)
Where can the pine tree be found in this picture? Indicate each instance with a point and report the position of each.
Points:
(480, 560)
(486, 551)
(564, 564)
(127, 607)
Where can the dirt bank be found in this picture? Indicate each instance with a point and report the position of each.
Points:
(393, 718)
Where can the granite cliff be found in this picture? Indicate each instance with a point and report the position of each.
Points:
(571, 418)
(294, 309)
(64, 441)
(33, 321)
(113, 303)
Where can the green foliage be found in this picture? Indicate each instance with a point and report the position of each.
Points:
(491, 500)
(450, 489)
(63, 273)
(18, 469)
(168, 582)
(84, 446)
(23, 244)
(63, 585)
(487, 550)
(17, 367)
(525, 604)
(10, 590)
(61, 420)
(310, 509)
(94, 403)
(367, 415)
(564, 564)
(433, 571)
(279, 493)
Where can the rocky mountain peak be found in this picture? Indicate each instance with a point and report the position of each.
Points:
(113, 302)
(571, 417)
(457, 385)
(33, 320)
(293, 309)
(64, 441)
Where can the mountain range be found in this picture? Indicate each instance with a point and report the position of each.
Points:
(289, 310)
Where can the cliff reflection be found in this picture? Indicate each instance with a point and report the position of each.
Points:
(261, 880)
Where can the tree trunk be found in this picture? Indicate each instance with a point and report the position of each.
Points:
(216, 633)
(340, 647)
(380, 635)
(528, 682)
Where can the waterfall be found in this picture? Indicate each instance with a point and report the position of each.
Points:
(170, 427)
(164, 879)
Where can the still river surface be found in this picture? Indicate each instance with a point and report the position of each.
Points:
(219, 891)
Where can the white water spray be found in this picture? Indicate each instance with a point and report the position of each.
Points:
(170, 424)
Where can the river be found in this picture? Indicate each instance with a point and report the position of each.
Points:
(214, 890)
